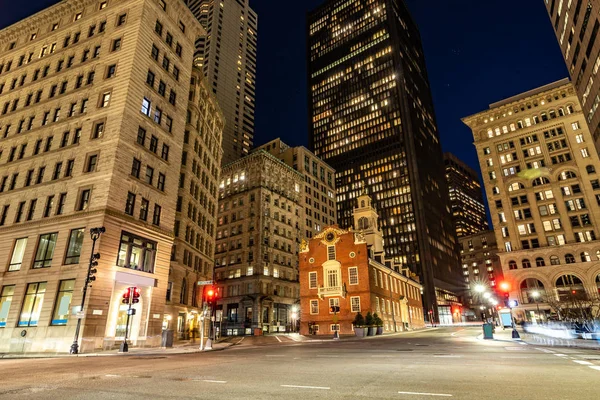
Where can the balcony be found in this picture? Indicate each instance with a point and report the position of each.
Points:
(332, 291)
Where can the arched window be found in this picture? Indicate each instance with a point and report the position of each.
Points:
(539, 262)
(532, 290)
(525, 263)
(569, 288)
(552, 114)
(363, 223)
(566, 175)
(569, 109)
(585, 256)
(561, 112)
(183, 294)
(569, 259)
(598, 283)
(544, 117)
(512, 264)
(362, 203)
(540, 181)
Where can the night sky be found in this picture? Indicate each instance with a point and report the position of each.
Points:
(477, 51)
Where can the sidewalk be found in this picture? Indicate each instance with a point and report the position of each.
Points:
(184, 347)
(540, 340)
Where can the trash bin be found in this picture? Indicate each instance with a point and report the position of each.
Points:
(257, 332)
(167, 338)
(488, 331)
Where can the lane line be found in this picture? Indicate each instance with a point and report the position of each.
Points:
(277, 337)
(597, 368)
(448, 356)
(426, 394)
(212, 381)
(241, 340)
(560, 355)
(454, 334)
(306, 387)
(112, 375)
(582, 362)
(274, 355)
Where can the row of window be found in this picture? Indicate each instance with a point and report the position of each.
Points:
(45, 250)
(82, 204)
(33, 301)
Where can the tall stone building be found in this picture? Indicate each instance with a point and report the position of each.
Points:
(576, 23)
(227, 55)
(259, 224)
(481, 267)
(466, 197)
(192, 255)
(319, 199)
(371, 118)
(81, 83)
(541, 178)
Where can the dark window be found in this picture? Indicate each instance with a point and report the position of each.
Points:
(136, 252)
(153, 144)
(165, 152)
(141, 137)
(156, 215)
(136, 167)
(130, 203)
(84, 200)
(144, 209)
(91, 163)
(161, 182)
(74, 246)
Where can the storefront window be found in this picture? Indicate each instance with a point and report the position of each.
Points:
(32, 305)
(63, 302)
(5, 300)
(136, 253)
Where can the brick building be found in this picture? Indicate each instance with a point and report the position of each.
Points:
(349, 269)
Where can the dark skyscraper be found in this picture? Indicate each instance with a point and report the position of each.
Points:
(371, 118)
(466, 197)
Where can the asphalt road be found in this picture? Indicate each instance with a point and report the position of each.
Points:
(442, 363)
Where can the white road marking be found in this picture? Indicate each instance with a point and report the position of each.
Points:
(306, 387)
(241, 340)
(277, 337)
(545, 350)
(112, 375)
(582, 362)
(597, 368)
(274, 355)
(516, 357)
(448, 356)
(381, 356)
(560, 355)
(213, 381)
(454, 334)
(327, 355)
(427, 394)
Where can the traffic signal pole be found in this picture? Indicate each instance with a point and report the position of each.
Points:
(95, 234)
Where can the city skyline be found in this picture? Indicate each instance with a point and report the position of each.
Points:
(459, 83)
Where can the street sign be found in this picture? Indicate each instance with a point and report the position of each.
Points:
(201, 283)
(131, 311)
(80, 314)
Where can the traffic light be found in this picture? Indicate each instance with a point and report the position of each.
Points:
(505, 286)
(92, 271)
(126, 296)
(334, 309)
(136, 295)
(209, 295)
(506, 298)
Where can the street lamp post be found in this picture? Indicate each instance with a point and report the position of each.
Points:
(95, 234)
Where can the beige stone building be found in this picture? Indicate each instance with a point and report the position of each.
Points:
(192, 256)
(541, 177)
(319, 199)
(260, 222)
(91, 134)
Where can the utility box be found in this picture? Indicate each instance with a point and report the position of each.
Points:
(167, 338)
(488, 331)
(258, 332)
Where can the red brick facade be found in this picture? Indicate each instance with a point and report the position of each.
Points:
(335, 267)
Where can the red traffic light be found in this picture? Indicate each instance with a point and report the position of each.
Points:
(136, 292)
(505, 286)
(210, 293)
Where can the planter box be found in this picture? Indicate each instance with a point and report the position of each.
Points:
(380, 330)
(359, 332)
(370, 331)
